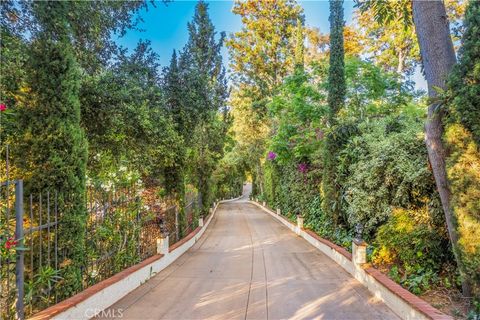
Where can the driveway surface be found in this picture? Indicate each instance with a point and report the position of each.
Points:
(247, 265)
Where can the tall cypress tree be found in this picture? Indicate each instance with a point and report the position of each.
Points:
(203, 62)
(336, 71)
(336, 101)
(175, 103)
(203, 51)
(173, 93)
(53, 145)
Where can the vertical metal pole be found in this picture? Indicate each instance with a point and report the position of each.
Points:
(20, 253)
(49, 292)
(48, 228)
(176, 224)
(1, 282)
(140, 228)
(31, 245)
(56, 239)
(56, 230)
(7, 200)
(40, 233)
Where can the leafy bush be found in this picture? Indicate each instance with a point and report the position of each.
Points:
(463, 170)
(322, 224)
(462, 139)
(387, 167)
(290, 189)
(415, 244)
(412, 237)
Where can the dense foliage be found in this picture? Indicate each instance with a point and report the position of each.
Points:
(85, 117)
(353, 154)
(336, 102)
(260, 58)
(382, 172)
(462, 138)
(325, 126)
(51, 152)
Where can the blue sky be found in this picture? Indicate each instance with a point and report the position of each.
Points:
(166, 25)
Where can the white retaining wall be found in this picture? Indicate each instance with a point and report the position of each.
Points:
(398, 305)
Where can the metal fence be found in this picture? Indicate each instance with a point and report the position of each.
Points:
(40, 238)
(10, 234)
(120, 232)
(178, 224)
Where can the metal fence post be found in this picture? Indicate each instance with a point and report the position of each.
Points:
(140, 228)
(19, 267)
(177, 231)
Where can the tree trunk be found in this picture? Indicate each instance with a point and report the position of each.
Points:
(438, 58)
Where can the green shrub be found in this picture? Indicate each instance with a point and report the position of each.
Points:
(51, 150)
(323, 225)
(387, 167)
(293, 191)
(410, 238)
(463, 170)
(462, 139)
(415, 245)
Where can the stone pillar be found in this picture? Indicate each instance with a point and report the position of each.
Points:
(300, 221)
(359, 252)
(200, 222)
(162, 245)
(264, 204)
(299, 224)
(278, 211)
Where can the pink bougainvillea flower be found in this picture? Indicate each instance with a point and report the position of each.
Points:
(3, 107)
(302, 167)
(271, 155)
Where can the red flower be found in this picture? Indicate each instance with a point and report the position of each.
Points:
(10, 243)
(3, 107)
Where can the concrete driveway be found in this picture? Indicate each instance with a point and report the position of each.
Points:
(249, 266)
